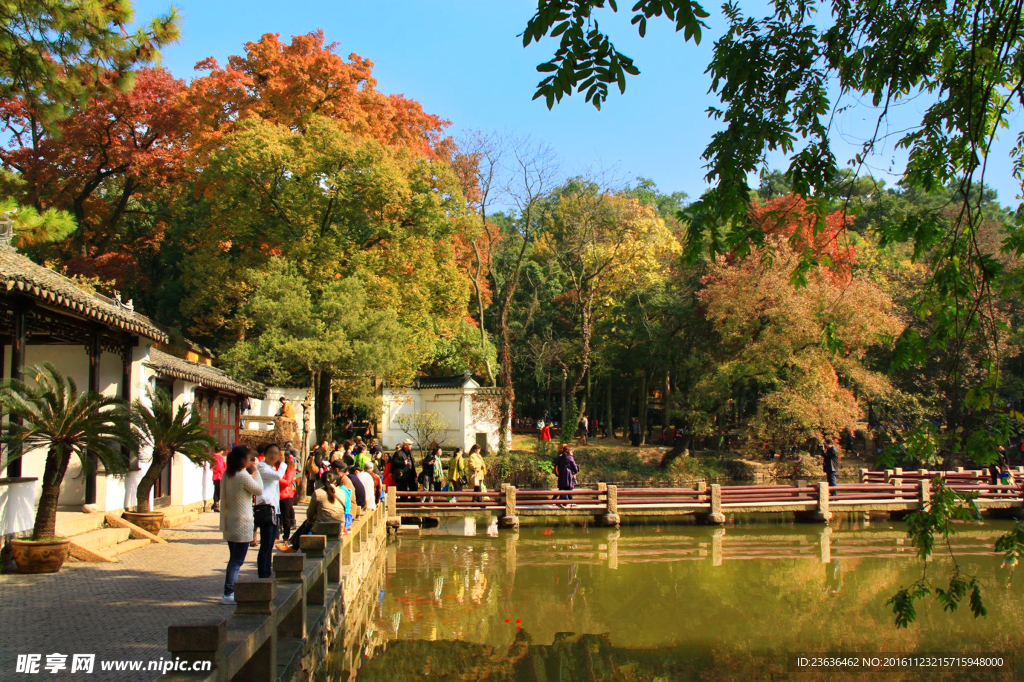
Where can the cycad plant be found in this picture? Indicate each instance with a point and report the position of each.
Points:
(167, 431)
(50, 414)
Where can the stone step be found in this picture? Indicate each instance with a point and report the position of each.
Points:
(102, 538)
(72, 523)
(173, 520)
(126, 546)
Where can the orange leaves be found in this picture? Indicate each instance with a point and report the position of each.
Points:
(792, 218)
(287, 83)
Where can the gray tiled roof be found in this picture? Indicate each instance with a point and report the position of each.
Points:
(203, 375)
(454, 381)
(19, 273)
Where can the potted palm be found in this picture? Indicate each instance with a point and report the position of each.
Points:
(50, 414)
(167, 431)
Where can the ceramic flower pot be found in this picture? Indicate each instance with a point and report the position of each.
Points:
(40, 556)
(149, 521)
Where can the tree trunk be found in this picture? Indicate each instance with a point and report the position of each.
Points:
(483, 334)
(324, 407)
(627, 419)
(643, 408)
(507, 394)
(149, 479)
(585, 324)
(664, 401)
(46, 514)
(608, 410)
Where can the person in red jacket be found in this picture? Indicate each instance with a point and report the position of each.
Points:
(288, 482)
(219, 465)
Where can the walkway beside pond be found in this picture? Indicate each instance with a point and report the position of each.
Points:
(118, 611)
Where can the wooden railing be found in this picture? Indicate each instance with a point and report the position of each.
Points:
(960, 475)
(607, 503)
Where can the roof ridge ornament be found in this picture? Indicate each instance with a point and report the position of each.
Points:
(7, 230)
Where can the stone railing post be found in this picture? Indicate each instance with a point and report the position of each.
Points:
(197, 640)
(254, 597)
(332, 532)
(611, 510)
(863, 475)
(823, 513)
(394, 520)
(897, 481)
(510, 519)
(925, 492)
(315, 546)
(289, 568)
(715, 515)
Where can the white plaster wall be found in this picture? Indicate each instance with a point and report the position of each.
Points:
(17, 508)
(455, 405)
(112, 492)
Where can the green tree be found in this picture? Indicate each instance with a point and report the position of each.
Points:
(301, 333)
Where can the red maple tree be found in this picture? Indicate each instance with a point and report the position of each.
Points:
(792, 218)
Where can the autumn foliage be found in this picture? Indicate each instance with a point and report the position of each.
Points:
(801, 352)
(289, 83)
(822, 238)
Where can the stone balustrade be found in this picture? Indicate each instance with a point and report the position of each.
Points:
(282, 627)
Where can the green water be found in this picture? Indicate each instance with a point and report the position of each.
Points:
(674, 603)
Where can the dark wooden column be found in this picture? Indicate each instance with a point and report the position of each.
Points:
(126, 390)
(94, 386)
(18, 338)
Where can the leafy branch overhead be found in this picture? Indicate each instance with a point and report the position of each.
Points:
(586, 60)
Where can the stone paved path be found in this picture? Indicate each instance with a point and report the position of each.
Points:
(117, 611)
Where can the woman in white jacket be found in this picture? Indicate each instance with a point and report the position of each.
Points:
(240, 482)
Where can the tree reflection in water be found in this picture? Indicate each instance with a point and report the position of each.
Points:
(673, 604)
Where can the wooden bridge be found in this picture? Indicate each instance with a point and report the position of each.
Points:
(894, 491)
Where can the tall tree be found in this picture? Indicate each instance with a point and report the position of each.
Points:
(604, 244)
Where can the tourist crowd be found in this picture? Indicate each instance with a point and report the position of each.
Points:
(254, 491)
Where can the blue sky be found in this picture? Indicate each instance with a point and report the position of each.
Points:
(463, 60)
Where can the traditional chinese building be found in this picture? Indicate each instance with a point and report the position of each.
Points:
(107, 347)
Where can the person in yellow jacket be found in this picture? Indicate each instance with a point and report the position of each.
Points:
(287, 411)
(477, 469)
(457, 471)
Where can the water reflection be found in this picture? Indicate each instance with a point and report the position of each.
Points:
(670, 602)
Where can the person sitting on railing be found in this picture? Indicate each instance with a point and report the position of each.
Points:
(328, 504)
(999, 466)
(338, 467)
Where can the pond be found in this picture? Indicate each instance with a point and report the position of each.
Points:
(671, 602)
